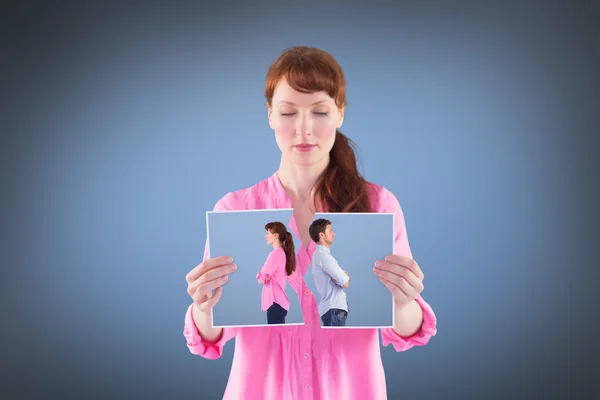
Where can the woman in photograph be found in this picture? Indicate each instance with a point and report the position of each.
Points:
(280, 263)
(305, 95)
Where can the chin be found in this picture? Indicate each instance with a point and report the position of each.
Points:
(306, 160)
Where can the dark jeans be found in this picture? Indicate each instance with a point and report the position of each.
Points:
(334, 317)
(276, 314)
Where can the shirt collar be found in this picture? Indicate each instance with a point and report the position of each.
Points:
(275, 185)
(324, 248)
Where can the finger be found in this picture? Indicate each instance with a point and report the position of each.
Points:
(207, 287)
(211, 275)
(403, 272)
(393, 268)
(402, 289)
(413, 280)
(406, 262)
(407, 281)
(394, 289)
(217, 272)
(388, 275)
(216, 296)
(207, 265)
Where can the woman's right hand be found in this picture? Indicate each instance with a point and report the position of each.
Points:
(209, 275)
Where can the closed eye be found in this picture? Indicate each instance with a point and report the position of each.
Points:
(322, 114)
(287, 114)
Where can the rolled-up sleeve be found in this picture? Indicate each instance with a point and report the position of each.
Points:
(274, 261)
(427, 330)
(389, 203)
(196, 344)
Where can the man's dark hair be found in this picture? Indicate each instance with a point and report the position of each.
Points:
(318, 226)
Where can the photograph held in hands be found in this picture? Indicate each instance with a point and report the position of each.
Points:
(347, 245)
(263, 250)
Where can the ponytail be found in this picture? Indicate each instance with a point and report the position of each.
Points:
(341, 188)
(290, 253)
(287, 243)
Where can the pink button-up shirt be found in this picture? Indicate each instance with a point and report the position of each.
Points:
(306, 362)
(274, 276)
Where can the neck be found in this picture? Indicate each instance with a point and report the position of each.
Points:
(298, 180)
(276, 245)
(324, 244)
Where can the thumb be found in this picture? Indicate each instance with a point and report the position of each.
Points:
(214, 298)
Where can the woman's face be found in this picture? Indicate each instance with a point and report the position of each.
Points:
(270, 237)
(304, 124)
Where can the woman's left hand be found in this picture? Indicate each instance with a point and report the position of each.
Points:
(402, 276)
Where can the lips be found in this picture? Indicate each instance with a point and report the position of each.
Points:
(304, 147)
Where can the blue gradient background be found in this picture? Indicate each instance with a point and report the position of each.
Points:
(241, 236)
(360, 239)
(122, 125)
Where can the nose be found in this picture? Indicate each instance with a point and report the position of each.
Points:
(304, 125)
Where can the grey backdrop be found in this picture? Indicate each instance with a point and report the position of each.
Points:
(122, 125)
(360, 239)
(241, 236)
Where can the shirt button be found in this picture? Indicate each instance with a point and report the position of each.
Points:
(307, 292)
(306, 387)
(305, 355)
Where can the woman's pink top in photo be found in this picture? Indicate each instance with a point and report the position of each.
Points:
(307, 362)
(274, 276)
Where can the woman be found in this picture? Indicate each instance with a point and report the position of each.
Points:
(280, 263)
(305, 93)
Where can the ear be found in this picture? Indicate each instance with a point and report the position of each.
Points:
(269, 114)
(340, 118)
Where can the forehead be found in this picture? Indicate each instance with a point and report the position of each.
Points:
(285, 94)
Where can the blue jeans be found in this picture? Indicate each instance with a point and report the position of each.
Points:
(276, 314)
(335, 317)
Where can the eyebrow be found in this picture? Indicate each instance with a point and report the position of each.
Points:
(294, 104)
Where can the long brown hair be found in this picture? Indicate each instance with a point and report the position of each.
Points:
(287, 242)
(340, 188)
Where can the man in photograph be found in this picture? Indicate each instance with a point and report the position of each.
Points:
(330, 279)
